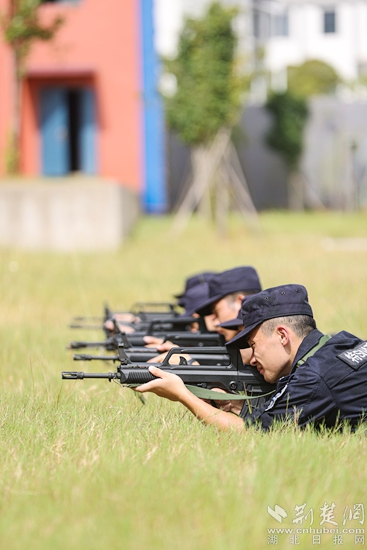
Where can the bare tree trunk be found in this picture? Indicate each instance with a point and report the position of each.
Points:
(12, 159)
(222, 185)
(13, 153)
(199, 160)
(201, 178)
(217, 164)
(295, 191)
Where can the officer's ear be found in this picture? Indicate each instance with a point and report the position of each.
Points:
(283, 333)
(239, 299)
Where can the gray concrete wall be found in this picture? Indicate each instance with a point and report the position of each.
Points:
(334, 159)
(65, 214)
(333, 164)
(264, 169)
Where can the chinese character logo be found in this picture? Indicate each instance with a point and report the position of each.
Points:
(278, 513)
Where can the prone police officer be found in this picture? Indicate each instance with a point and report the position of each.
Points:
(218, 300)
(321, 380)
(226, 292)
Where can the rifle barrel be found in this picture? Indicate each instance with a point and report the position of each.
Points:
(85, 357)
(87, 327)
(81, 375)
(82, 344)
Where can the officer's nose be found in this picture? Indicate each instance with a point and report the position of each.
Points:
(253, 360)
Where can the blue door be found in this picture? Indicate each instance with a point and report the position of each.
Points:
(54, 132)
(87, 132)
(68, 131)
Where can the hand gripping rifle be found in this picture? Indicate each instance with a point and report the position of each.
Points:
(232, 377)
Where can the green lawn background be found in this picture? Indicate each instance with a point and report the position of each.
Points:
(84, 465)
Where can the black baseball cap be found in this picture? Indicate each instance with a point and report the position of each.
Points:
(232, 324)
(233, 280)
(278, 301)
(195, 280)
(194, 297)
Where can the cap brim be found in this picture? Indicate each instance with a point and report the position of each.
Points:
(189, 312)
(240, 340)
(232, 324)
(206, 307)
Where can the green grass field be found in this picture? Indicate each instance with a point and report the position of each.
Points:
(84, 465)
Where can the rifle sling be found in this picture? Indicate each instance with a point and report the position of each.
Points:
(204, 393)
(313, 350)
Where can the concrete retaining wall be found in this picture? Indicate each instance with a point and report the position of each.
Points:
(65, 214)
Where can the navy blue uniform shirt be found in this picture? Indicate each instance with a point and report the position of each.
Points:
(330, 386)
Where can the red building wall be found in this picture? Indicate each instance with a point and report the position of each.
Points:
(98, 46)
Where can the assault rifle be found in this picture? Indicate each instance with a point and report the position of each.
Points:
(143, 311)
(232, 377)
(154, 310)
(183, 338)
(182, 323)
(142, 355)
(189, 339)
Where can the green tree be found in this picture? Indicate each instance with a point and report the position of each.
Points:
(22, 27)
(208, 94)
(203, 111)
(285, 136)
(290, 113)
(313, 77)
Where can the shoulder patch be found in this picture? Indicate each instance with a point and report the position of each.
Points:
(275, 398)
(355, 357)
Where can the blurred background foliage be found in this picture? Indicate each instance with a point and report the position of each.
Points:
(209, 86)
(313, 77)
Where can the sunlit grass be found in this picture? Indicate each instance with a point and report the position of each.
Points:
(84, 465)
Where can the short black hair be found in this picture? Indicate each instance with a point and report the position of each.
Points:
(300, 324)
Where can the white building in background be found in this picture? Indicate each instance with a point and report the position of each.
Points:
(332, 31)
(170, 14)
(169, 17)
(289, 31)
(168, 21)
